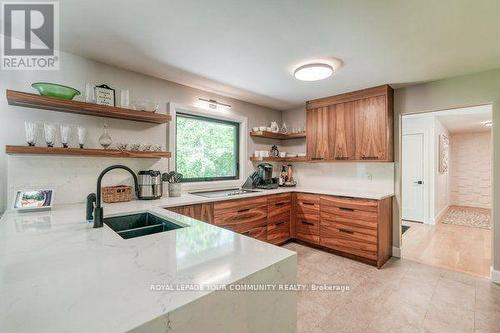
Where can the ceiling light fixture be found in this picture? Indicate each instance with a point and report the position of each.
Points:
(487, 123)
(212, 104)
(313, 72)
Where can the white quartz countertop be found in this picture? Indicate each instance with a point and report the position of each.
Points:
(57, 273)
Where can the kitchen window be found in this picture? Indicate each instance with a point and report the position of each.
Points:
(207, 149)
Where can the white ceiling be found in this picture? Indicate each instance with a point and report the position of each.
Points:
(462, 120)
(248, 49)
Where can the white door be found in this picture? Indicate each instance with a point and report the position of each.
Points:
(413, 177)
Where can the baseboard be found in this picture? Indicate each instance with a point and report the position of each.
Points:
(495, 275)
(439, 216)
(396, 252)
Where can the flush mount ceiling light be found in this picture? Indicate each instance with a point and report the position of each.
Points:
(487, 123)
(313, 72)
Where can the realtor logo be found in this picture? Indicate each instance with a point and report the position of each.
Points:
(30, 36)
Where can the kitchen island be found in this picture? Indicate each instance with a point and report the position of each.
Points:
(58, 274)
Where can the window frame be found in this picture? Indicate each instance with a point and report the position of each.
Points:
(237, 151)
(227, 115)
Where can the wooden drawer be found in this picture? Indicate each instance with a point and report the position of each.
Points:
(241, 215)
(259, 233)
(359, 218)
(348, 239)
(279, 204)
(278, 228)
(349, 203)
(307, 227)
(307, 204)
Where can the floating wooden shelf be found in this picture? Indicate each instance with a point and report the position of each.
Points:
(19, 98)
(278, 159)
(280, 136)
(85, 152)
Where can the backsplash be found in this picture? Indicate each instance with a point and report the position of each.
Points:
(377, 177)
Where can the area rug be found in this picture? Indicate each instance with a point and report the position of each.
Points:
(468, 216)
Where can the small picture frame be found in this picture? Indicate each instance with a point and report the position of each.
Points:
(104, 95)
(29, 200)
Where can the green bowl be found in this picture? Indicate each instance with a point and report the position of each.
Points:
(55, 90)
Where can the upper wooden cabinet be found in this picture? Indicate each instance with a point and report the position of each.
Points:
(318, 147)
(355, 126)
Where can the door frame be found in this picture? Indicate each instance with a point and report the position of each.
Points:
(397, 251)
(426, 174)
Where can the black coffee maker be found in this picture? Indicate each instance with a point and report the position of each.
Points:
(262, 178)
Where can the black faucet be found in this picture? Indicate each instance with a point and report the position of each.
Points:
(93, 198)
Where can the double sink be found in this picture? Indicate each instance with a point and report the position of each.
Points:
(141, 224)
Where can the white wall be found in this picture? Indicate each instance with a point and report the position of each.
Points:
(74, 177)
(471, 169)
(436, 183)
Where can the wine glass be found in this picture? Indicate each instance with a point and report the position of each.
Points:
(82, 136)
(50, 133)
(30, 131)
(65, 134)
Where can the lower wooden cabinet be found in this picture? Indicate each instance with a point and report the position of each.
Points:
(203, 212)
(357, 228)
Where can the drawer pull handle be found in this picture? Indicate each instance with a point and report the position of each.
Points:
(307, 223)
(341, 157)
(347, 209)
(280, 223)
(243, 210)
(308, 203)
(279, 204)
(345, 231)
(246, 233)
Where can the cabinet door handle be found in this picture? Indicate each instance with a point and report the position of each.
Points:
(341, 157)
(317, 158)
(246, 233)
(279, 204)
(346, 209)
(346, 231)
(307, 223)
(280, 223)
(243, 210)
(369, 157)
(308, 203)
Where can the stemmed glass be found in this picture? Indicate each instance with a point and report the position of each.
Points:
(30, 131)
(65, 134)
(82, 135)
(49, 131)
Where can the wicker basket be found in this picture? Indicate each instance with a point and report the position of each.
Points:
(120, 193)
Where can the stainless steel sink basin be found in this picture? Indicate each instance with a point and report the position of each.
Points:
(136, 225)
(223, 193)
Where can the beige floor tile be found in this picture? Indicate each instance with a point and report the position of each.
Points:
(309, 314)
(399, 316)
(455, 294)
(353, 317)
(487, 296)
(443, 318)
(487, 322)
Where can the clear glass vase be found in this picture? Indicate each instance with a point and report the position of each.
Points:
(105, 139)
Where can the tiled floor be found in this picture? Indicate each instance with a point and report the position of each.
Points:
(403, 296)
(455, 247)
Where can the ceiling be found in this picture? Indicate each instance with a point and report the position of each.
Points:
(249, 49)
(462, 120)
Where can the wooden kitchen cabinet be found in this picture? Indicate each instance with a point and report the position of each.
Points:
(279, 210)
(357, 227)
(317, 125)
(341, 136)
(359, 126)
(244, 216)
(307, 217)
(203, 212)
(371, 123)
